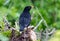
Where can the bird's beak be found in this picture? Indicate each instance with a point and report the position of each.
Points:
(32, 6)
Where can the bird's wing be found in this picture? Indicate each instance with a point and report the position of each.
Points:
(24, 21)
(27, 21)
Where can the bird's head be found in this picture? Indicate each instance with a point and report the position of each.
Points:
(27, 8)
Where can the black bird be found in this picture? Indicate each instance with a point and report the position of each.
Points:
(25, 18)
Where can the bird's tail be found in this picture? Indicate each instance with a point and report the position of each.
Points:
(22, 28)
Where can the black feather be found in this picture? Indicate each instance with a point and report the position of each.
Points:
(25, 18)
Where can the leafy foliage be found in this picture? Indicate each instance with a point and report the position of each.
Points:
(50, 10)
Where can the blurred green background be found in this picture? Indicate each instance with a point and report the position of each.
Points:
(49, 9)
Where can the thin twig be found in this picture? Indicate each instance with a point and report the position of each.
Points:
(6, 2)
(53, 30)
(7, 25)
(38, 24)
(42, 17)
